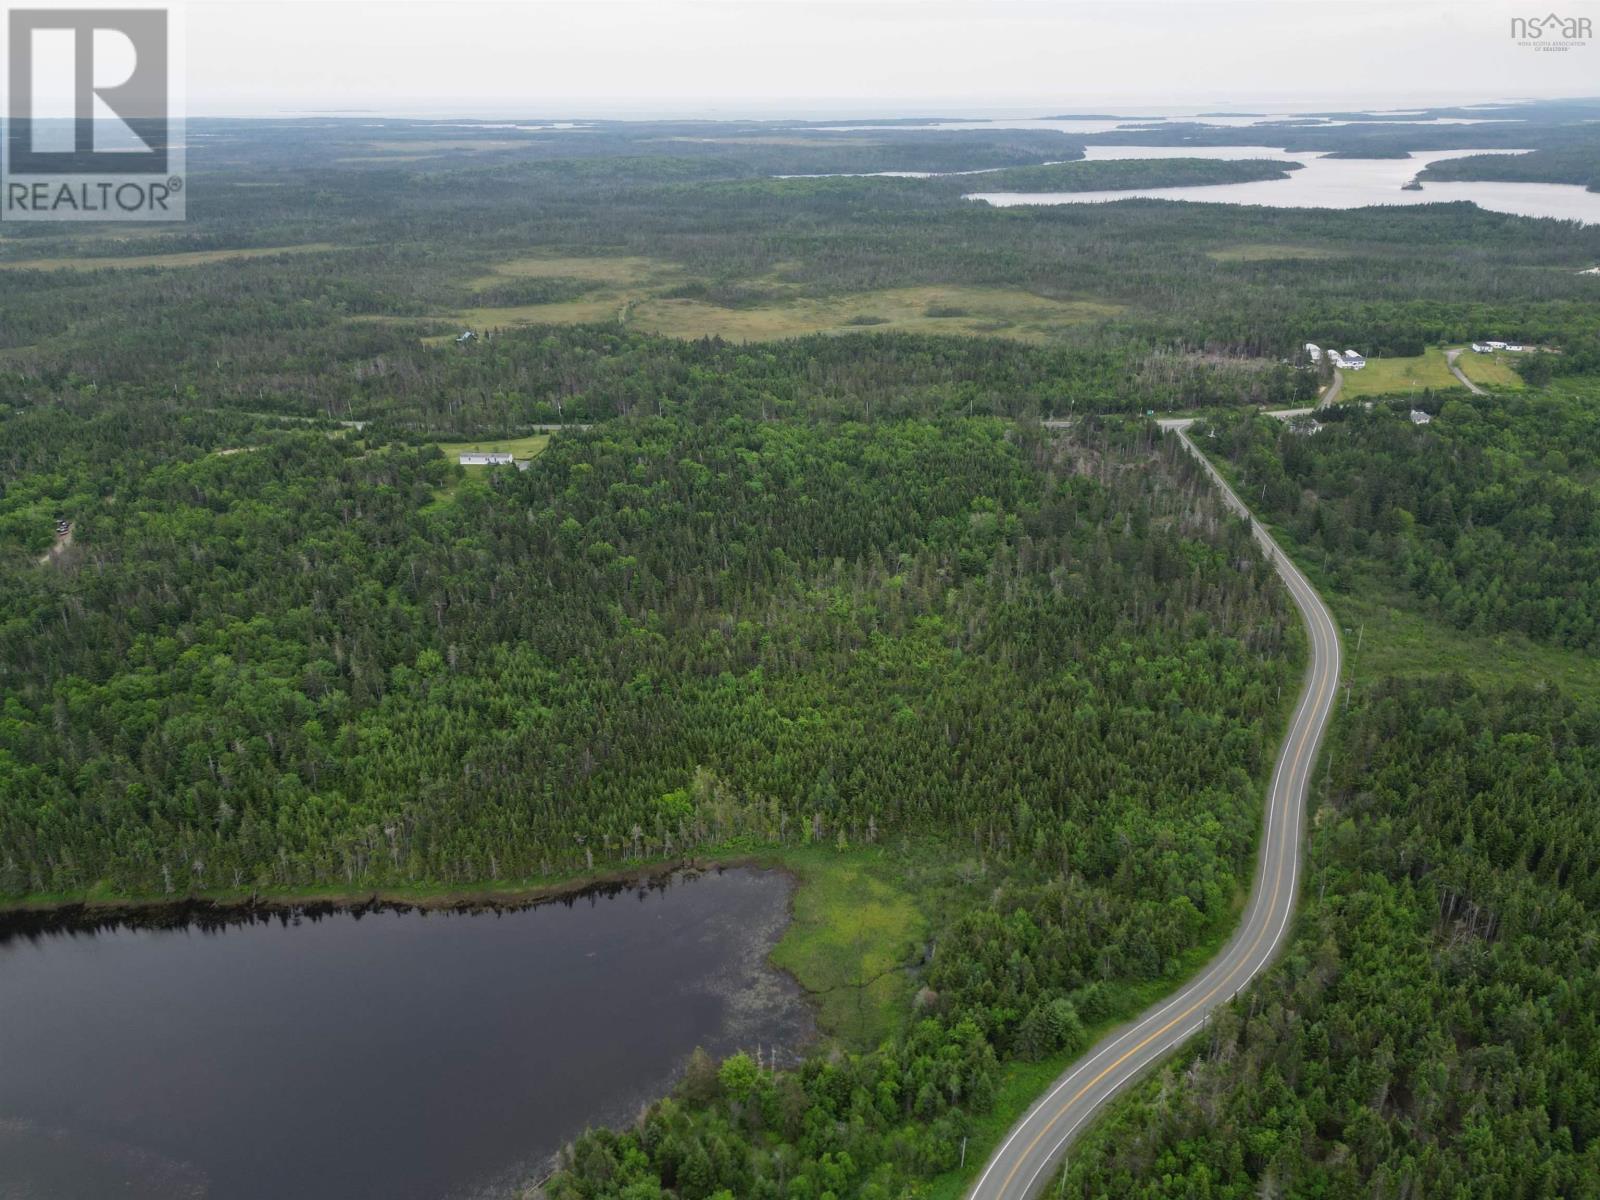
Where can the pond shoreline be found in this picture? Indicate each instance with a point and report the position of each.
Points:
(453, 1056)
(27, 919)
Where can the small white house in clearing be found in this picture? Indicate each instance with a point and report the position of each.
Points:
(1482, 348)
(485, 458)
(1495, 345)
(466, 336)
(1314, 352)
(1354, 360)
(1514, 347)
(1418, 417)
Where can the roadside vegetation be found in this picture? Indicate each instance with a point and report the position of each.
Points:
(1431, 1029)
(1489, 515)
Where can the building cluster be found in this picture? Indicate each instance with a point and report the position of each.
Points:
(1491, 347)
(1349, 360)
(485, 458)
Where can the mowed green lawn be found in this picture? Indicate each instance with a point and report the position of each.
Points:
(522, 448)
(1400, 376)
(1492, 371)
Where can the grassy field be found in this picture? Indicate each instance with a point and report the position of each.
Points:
(1400, 376)
(1385, 632)
(187, 258)
(960, 310)
(1394, 638)
(1492, 371)
(1268, 252)
(605, 306)
(639, 293)
(523, 448)
(857, 927)
(633, 271)
(971, 310)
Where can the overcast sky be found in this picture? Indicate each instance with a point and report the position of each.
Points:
(792, 57)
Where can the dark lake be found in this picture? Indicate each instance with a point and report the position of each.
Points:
(394, 1055)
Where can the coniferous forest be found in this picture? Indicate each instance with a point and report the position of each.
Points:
(839, 528)
(296, 667)
(1431, 1030)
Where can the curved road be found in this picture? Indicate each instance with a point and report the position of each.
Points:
(1450, 357)
(1026, 1161)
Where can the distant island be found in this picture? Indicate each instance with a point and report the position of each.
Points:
(1127, 174)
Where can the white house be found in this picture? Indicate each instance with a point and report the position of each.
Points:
(1353, 360)
(1314, 351)
(1495, 345)
(485, 458)
(1514, 347)
(466, 336)
(1418, 417)
(1481, 348)
(1336, 358)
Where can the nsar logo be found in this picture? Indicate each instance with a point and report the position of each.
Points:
(1551, 32)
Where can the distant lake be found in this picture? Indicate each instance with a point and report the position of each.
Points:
(1325, 182)
(390, 1056)
(1130, 122)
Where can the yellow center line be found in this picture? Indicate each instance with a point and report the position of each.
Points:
(1277, 881)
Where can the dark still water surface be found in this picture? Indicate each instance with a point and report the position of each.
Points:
(401, 1056)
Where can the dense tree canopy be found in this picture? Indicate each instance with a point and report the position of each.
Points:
(839, 589)
(294, 665)
(1433, 1030)
(1489, 514)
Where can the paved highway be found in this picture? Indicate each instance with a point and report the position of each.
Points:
(1026, 1161)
